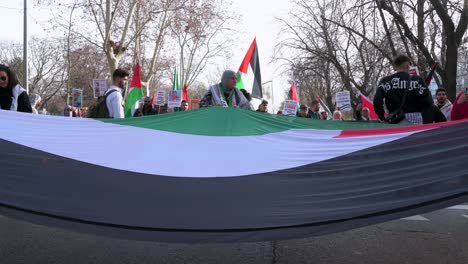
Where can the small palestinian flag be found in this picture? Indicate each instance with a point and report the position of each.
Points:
(293, 93)
(135, 93)
(251, 59)
(244, 175)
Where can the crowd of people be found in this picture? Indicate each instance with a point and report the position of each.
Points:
(398, 92)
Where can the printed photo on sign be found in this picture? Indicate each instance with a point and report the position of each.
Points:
(160, 97)
(343, 101)
(77, 97)
(174, 98)
(290, 108)
(99, 87)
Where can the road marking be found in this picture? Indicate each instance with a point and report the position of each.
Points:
(459, 207)
(416, 218)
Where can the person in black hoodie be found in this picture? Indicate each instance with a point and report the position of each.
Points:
(392, 89)
(13, 97)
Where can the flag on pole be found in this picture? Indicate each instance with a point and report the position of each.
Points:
(185, 93)
(175, 81)
(431, 74)
(135, 93)
(324, 106)
(251, 58)
(293, 93)
(366, 102)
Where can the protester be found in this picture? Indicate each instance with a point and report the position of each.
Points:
(443, 103)
(13, 97)
(432, 114)
(162, 109)
(68, 111)
(324, 115)
(392, 88)
(114, 101)
(362, 114)
(263, 106)
(184, 106)
(460, 107)
(358, 112)
(314, 110)
(146, 108)
(337, 115)
(83, 111)
(225, 93)
(280, 112)
(365, 114)
(303, 111)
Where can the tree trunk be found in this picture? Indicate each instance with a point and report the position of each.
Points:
(449, 79)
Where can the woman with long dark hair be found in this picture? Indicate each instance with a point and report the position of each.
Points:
(13, 97)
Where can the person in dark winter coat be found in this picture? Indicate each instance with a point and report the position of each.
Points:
(13, 97)
(392, 89)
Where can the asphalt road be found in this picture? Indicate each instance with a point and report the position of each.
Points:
(439, 237)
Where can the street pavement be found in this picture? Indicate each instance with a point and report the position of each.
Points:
(439, 237)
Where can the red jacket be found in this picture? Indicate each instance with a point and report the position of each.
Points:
(459, 111)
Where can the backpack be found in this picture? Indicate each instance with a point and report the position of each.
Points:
(99, 109)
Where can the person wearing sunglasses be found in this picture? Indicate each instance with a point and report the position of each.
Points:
(13, 97)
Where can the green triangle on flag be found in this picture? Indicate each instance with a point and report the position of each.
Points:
(251, 61)
(239, 82)
(135, 93)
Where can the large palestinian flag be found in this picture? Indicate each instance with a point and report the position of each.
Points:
(225, 175)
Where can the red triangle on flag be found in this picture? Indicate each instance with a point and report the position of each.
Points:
(246, 61)
(292, 92)
(136, 78)
(366, 102)
(185, 93)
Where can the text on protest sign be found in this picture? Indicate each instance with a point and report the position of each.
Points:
(343, 101)
(289, 107)
(160, 97)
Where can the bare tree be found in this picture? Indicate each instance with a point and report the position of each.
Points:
(318, 40)
(203, 30)
(451, 35)
(45, 66)
(47, 75)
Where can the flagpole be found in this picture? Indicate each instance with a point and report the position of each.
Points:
(25, 46)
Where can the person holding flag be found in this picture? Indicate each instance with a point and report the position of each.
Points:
(225, 93)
